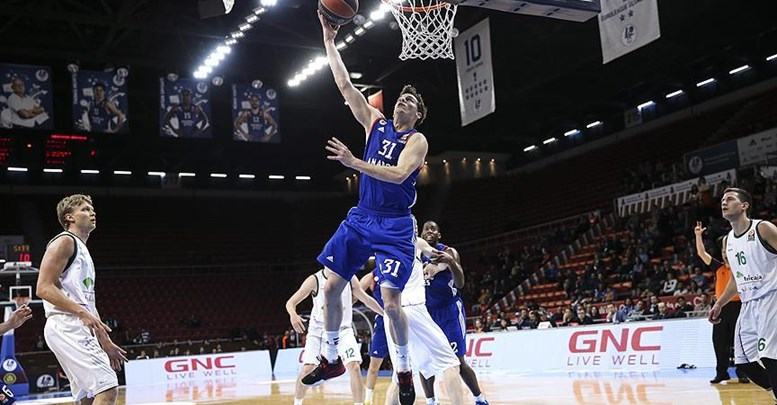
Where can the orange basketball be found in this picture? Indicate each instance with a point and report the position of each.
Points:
(338, 12)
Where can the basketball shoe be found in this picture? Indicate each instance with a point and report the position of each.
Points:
(406, 388)
(326, 371)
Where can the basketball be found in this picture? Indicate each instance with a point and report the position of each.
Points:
(338, 12)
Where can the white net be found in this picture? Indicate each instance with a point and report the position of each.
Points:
(427, 28)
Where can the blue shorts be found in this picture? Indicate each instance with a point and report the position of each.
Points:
(452, 320)
(365, 233)
(379, 345)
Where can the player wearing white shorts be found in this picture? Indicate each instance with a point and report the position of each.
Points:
(429, 350)
(348, 349)
(750, 250)
(74, 331)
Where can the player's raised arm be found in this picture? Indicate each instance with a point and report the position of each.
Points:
(361, 109)
(700, 250)
(307, 287)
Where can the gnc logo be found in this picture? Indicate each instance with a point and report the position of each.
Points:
(193, 364)
(592, 341)
(476, 347)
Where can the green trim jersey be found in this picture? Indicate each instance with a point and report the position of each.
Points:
(753, 263)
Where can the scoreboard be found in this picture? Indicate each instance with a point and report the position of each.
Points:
(18, 252)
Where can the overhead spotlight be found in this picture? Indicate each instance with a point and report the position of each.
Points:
(530, 148)
(572, 132)
(302, 177)
(674, 94)
(230, 42)
(218, 175)
(493, 160)
(771, 58)
(377, 15)
(257, 84)
(157, 174)
(705, 82)
(172, 76)
(72, 67)
(186, 174)
(341, 46)
(199, 74)
(275, 177)
(244, 27)
(349, 39)
(359, 31)
(593, 124)
(394, 25)
(269, 3)
(549, 140)
(252, 18)
(356, 75)
(645, 105)
(259, 10)
(48, 170)
(247, 176)
(369, 24)
(444, 161)
(217, 81)
(17, 169)
(293, 83)
(237, 34)
(359, 20)
(211, 62)
(89, 171)
(739, 69)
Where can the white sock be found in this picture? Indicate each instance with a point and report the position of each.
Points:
(431, 401)
(298, 401)
(368, 396)
(480, 397)
(332, 339)
(403, 363)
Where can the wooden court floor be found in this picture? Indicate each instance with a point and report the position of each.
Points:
(656, 388)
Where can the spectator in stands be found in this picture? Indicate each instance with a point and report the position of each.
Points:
(40, 343)
(670, 284)
(612, 314)
(684, 289)
(145, 336)
(653, 308)
(703, 304)
(569, 318)
(699, 279)
(663, 311)
(583, 318)
(479, 326)
(503, 325)
(683, 305)
(595, 315)
(143, 355)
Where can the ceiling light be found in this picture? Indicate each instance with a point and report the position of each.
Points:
(771, 58)
(122, 172)
(572, 132)
(247, 176)
(186, 174)
(529, 148)
(593, 124)
(356, 75)
(645, 105)
(369, 24)
(739, 69)
(674, 94)
(705, 82)
(218, 175)
(52, 170)
(89, 171)
(360, 31)
(275, 177)
(302, 177)
(158, 174)
(545, 142)
(252, 18)
(17, 169)
(244, 27)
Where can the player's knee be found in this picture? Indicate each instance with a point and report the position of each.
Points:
(392, 309)
(353, 366)
(108, 396)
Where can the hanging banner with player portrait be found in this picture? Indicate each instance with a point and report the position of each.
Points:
(26, 100)
(475, 73)
(625, 26)
(184, 108)
(100, 101)
(255, 113)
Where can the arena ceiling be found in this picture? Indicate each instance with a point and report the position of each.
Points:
(549, 74)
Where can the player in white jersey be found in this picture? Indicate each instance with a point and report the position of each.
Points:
(750, 249)
(348, 349)
(74, 331)
(430, 352)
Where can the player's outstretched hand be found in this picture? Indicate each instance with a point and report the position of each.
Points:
(698, 230)
(19, 317)
(94, 323)
(714, 314)
(443, 257)
(116, 354)
(330, 32)
(340, 152)
(297, 323)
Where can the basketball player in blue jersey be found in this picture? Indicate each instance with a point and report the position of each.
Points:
(188, 116)
(381, 224)
(378, 345)
(257, 121)
(444, 280)
(101, 111)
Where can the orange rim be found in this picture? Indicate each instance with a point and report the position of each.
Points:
(424, 9)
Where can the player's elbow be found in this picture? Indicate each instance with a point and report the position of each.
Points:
(43, 290)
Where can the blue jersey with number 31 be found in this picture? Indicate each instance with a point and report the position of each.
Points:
(384, 146)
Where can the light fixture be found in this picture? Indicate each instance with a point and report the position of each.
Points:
(244, 27)
(157, 174)
(122, 71)
(739, 69)
(230, 42)
(247, 176)
(186, 174)
(17, 169)
(217, 81)
(122, 172)
(47, 170)
(349, 39)
(237, 34)
(341, 46)
(275, 177)
(444, 161)
(771, 58)
(369, 24)
(356, 75)
(593, 124)
(572, 132)
(257, 84)
(259, 10)
(218, 175)
(359, 31)
(705, 82)
(530, 148)
(646, 104)
(302, 177)
(73, 67)
(269, 3)
(674, 94)
(549, 140)
(493, 160)
(89, 171)
(252, 18)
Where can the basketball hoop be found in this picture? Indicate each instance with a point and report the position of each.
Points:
(19, 301)
(427, 28)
